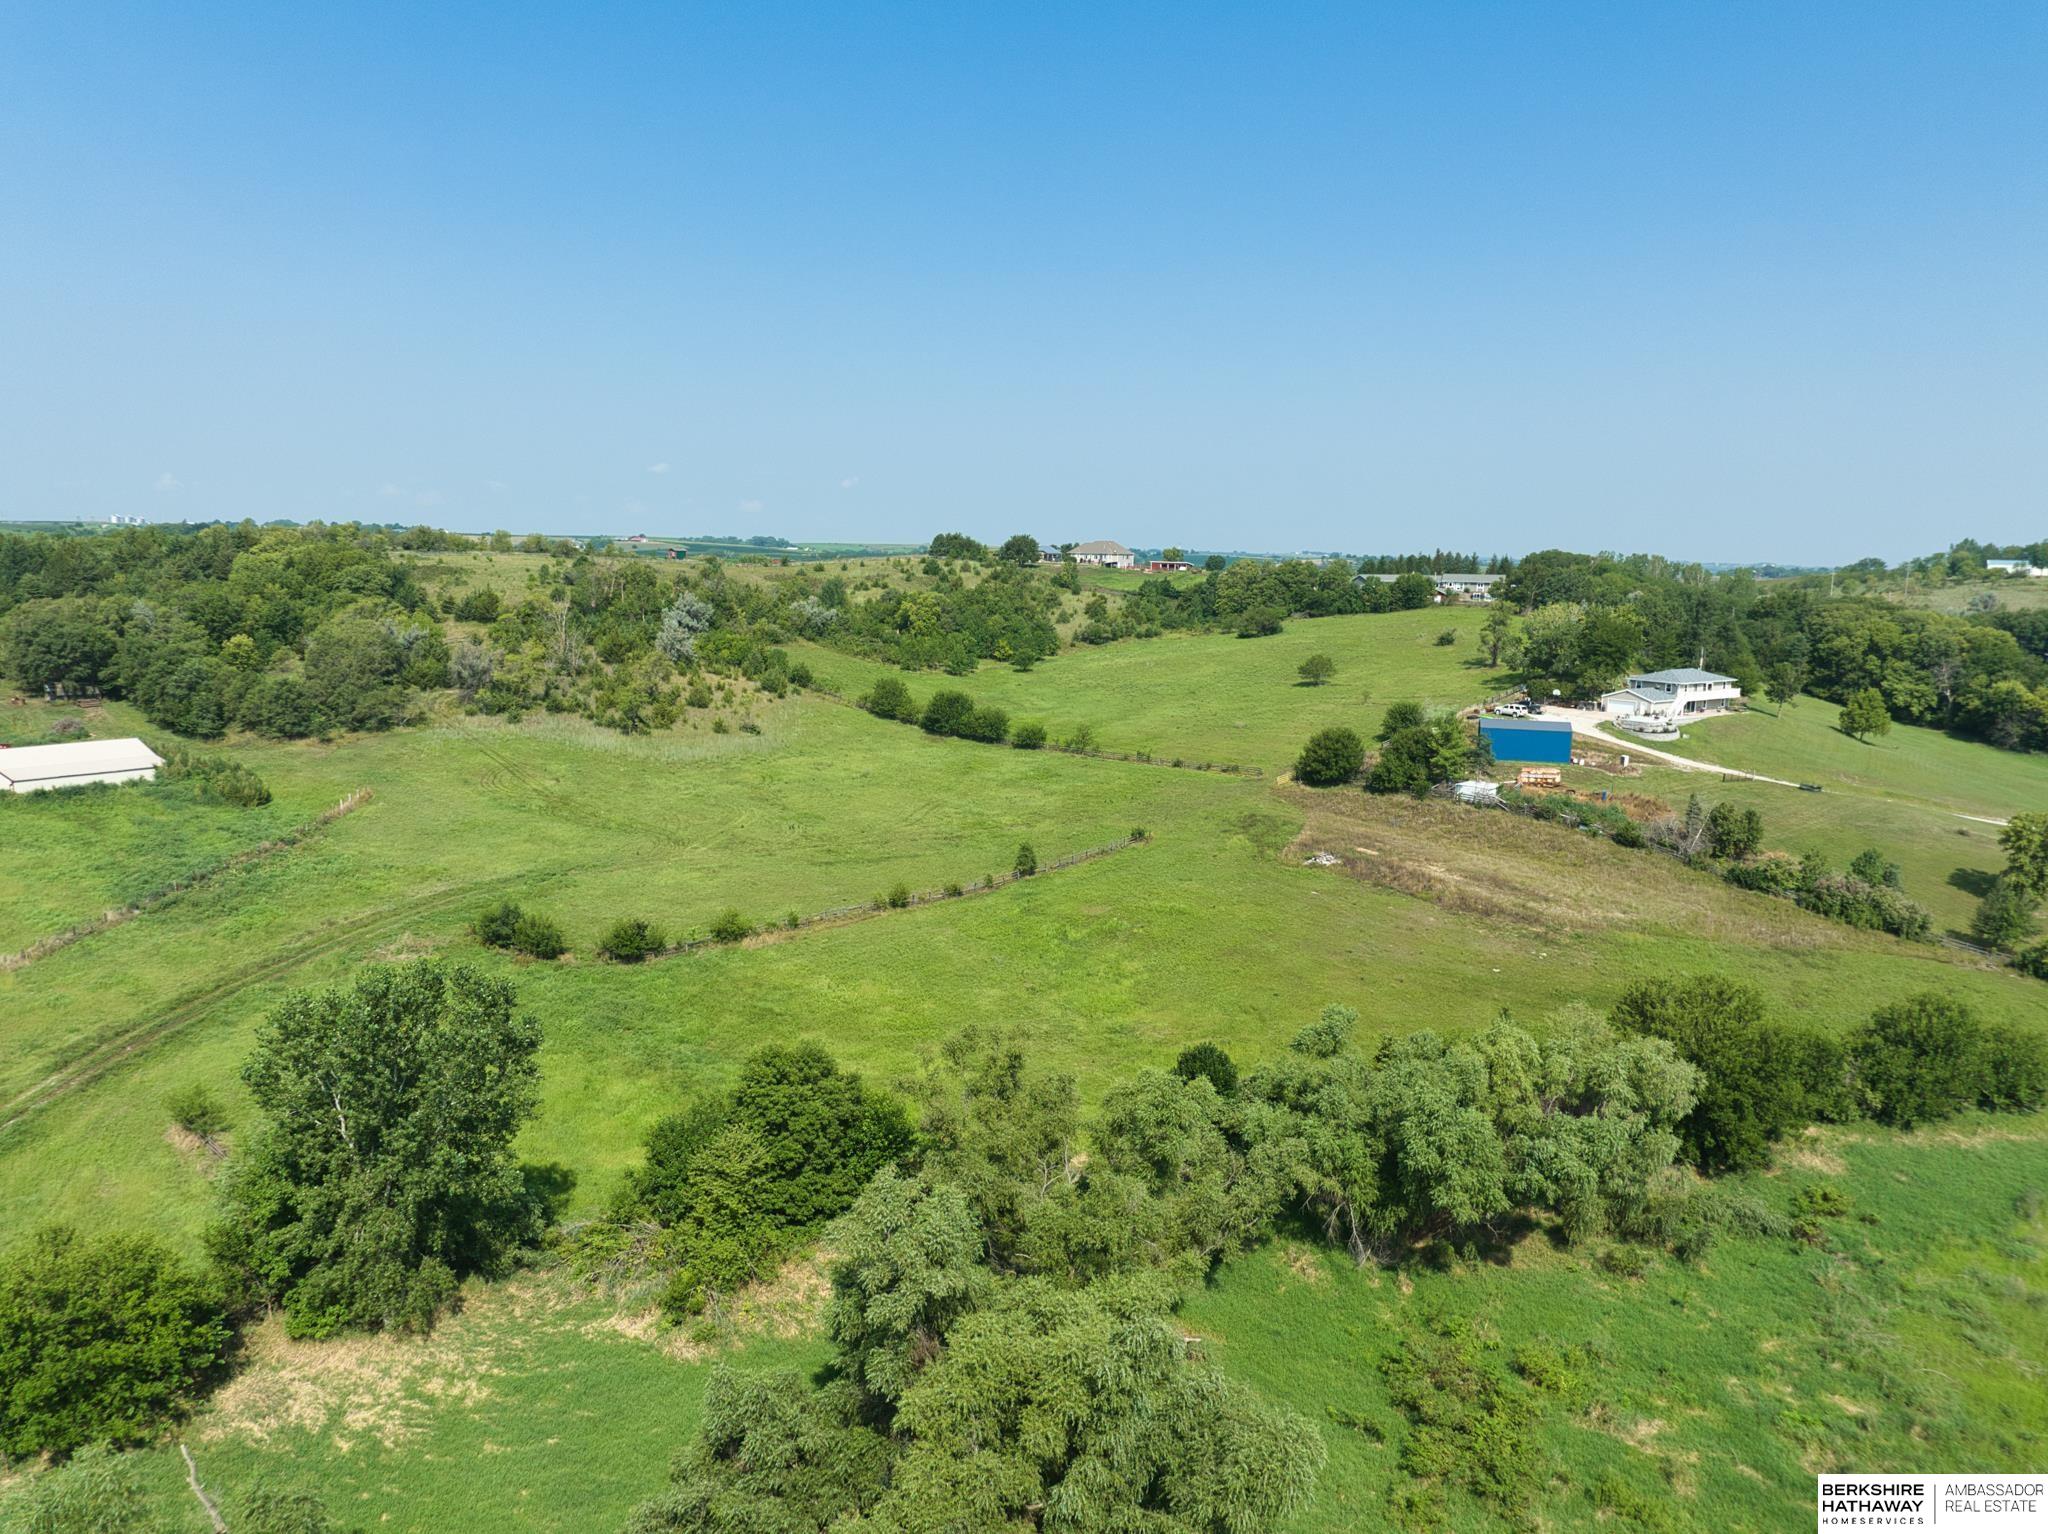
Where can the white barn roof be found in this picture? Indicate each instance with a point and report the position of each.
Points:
(77, 759)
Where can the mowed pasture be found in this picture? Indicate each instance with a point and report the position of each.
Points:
(1802, 743)
(1216, 698)
(1210, 929)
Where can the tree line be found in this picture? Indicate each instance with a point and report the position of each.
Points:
(1007, 1264)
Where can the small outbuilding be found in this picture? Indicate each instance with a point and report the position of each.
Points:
(72, 764)
(1528, 740)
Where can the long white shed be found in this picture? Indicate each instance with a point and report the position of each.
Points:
(25, 769)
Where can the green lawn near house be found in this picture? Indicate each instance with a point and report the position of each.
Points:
(1803, 744)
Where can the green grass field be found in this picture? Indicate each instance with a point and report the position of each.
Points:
(546, 1406)
(1217, 698)
(1802, 744)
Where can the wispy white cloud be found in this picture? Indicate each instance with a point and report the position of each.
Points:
(496, 484)
(389, 491)
(426, 498)
(750, 507)
(168, 483)
(657, 468)
(849, 482)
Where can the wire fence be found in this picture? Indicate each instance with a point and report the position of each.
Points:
(43, 947)
(901, 899)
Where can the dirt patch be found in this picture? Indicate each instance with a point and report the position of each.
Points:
(1812, 1155)
(791, 1304)
(383, 1388)
(1303, 1264)
(405, 946)
(1849, 1407)
(205, 1152)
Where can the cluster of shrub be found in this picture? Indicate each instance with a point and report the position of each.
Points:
(506, 926)
(951, 712)
(1417, 751)
(1868, 895)
(1916, 1061)
(984, 1261)
(215, 778)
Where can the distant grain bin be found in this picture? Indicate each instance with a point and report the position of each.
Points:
(1528, 740)
(27, 769)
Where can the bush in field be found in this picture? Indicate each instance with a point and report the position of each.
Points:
(1027, 861)
(947, 713)
(732, 1179)
(497, 925)
(890, 699)
(1402, 715)
(631, 940)
(268, 1509)
(1259, 622)
(478, 607)
(2005, 916)
(1920, 1060)
(538, 937)
(991, 726)
(1331, 757)
(385, 1171)
(216, 778)
(102, 1340)
(731, 927)
(1316, 670)
(1734, 833)
(2012, 1070)
(1028, 736)
(197, 1111)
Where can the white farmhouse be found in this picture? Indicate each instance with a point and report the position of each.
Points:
(25, 769)
(1103, 551)
(2015, 567)
(1680, 692)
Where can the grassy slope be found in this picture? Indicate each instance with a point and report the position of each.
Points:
(1213, 930)
(1217, 698)
(1208, 931)
(1945, 862)
(1726, 1387)
(1802, 744)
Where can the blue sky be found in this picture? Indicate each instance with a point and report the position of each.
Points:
(1727, 281)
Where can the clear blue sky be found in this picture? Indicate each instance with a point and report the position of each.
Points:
(1755, 280)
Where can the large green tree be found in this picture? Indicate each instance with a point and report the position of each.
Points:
(384, 1172)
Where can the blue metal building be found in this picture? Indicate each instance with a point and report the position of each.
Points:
(1528, 740)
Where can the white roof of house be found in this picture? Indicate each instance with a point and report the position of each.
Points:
(1101, 546)
(1681, 676)
(1632, 692)
(75, 759)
